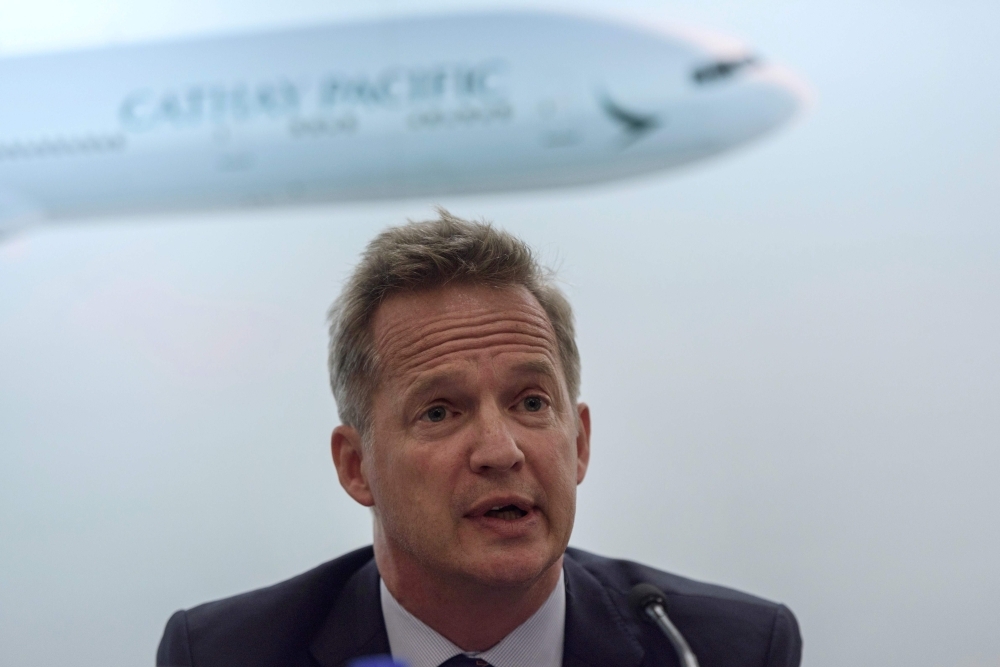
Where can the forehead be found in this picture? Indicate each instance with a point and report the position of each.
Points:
(418, 330)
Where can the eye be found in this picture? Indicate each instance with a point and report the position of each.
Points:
(533, 403)
(436, 414)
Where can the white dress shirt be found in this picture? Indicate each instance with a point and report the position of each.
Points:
(538, 642)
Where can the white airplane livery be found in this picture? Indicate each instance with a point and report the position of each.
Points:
(403, 107)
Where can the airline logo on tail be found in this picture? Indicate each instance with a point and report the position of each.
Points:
(636, 125)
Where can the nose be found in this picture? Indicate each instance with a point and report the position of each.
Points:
(494, 448)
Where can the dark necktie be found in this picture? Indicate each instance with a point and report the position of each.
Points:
(461, 660)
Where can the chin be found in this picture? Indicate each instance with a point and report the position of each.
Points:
(511, 568)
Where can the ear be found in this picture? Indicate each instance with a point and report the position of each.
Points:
(345, 445)
(582, 441)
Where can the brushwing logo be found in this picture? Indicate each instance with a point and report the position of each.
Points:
(635, 125)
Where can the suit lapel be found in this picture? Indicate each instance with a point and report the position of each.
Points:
(355, 626)
(598, 633)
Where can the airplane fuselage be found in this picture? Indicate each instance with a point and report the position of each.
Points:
(403, 107)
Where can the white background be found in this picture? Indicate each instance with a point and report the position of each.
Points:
(792, 355)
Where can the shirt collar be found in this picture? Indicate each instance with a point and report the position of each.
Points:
(538, 641)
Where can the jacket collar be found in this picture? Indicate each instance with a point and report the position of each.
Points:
(598, 629)
(354, 627)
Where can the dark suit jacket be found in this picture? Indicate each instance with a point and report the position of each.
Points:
(333, 614)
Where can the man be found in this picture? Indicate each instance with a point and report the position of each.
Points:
(456, 374)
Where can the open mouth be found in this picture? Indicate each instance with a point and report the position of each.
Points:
(507, 513)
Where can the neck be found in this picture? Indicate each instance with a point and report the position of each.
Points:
(473, 615)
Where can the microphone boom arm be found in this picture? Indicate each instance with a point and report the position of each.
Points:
(658, 615)
(648, 600)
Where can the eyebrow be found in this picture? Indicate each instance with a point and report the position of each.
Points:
(431, 383)
(536, 366)
(426, 385)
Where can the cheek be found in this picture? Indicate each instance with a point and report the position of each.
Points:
(419, 473)
(557, 465)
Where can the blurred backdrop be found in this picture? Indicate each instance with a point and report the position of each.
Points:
(792, 354)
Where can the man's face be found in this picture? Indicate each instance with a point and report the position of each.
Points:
(476, 448)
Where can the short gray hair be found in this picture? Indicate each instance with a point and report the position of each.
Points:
(424, 255)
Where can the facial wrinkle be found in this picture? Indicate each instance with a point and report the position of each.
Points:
(419, 347)
(493, 345)
(443, 336)
(453, 324)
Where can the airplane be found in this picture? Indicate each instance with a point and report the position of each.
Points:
(402, 107)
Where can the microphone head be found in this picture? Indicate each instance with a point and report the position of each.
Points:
(376, 661)
(643, 595)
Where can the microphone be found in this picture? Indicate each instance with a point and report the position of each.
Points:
(649, 601)
(376, 661)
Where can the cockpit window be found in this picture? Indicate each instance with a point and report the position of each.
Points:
(722, 69)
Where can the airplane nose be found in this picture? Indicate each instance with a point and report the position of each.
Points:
(778, 92)
(741, 99)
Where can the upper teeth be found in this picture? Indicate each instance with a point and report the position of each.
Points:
(495, 508)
